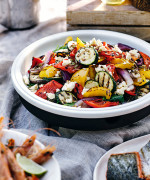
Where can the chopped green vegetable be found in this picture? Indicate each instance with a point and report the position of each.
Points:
(70, 104)
(53, 78)
(30, 85)
(115, 98)
(62, 47)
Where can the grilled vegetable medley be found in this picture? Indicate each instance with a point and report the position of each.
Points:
(90, 74)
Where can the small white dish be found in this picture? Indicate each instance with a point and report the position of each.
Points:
(51, 165)
(133, 145)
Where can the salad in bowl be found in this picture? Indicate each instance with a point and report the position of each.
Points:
(91, 74)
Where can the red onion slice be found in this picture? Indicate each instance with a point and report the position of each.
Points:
(124, 47)
(81, 104)
(139, 62)
(66, 75)
(37, 70)
(126, 76)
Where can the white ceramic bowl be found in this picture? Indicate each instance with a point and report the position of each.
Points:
(23, 62)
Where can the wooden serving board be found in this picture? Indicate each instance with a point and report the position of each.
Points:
(94, 14)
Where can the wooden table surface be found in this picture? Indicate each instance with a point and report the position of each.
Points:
(94, 14)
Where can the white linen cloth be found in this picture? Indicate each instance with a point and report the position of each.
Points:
(77, 151)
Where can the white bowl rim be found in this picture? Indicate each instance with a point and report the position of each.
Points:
(72, 111)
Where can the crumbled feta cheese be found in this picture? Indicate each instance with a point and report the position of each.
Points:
(57, 74)
(33, 88)
(102, 48)
(88, 78)
(98, 45)
(69, 100)
(68, 86)
(128, 56)
(99, 42)
(72, 45)
(26, 79)
(50, 95)
(66, 62)
(59, 58)
(131, 87)
(87, 44)
(41, 85)
(57, 90)
(121, 87)
(117, 49)
(93, 42)
(62, 50)
(136, 75)
(101, 68)
(135, 53)
(84, 90)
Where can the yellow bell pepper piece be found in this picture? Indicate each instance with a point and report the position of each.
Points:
(69, 38)
(98, 91)
(140, 81)
(101, 59)
(92, 72)
(122, 63)
(79, 43)
(48, 72)
(80, 76)
(145, 73)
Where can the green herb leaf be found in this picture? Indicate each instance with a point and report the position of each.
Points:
(70, 104)
(62, 47)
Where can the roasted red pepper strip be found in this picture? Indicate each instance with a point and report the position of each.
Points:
(132, 93)
(110, 55)
(50, 87)
(69, 68)
(36, 61)
(78, 90)
(112, 69)
(73, 53)
(100, 104)
(52, 59)
(146, 59)
(106, 46)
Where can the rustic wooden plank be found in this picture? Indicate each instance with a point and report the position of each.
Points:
(98, 5)
(140, 32)
(94, 12)
(107, 18)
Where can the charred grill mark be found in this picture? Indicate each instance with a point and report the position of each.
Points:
(41, 57)
(68, 93)
(103, 79)
(108, 82)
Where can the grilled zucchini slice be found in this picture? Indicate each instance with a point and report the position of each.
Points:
(91, 83)
(86, 56)
(65, 97)
(105, 80)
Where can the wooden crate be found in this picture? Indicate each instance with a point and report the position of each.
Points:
(93, 14)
